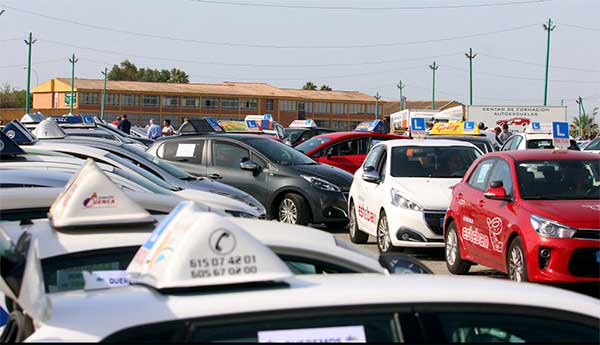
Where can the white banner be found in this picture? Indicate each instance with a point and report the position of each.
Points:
(518, 117)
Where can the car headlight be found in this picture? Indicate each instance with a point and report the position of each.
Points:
(240, 214)
(549, 228)
(321, 184)
(400, 201)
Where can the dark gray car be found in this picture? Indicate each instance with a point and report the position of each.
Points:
(293, 187)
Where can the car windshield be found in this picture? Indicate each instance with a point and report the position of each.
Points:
(434, 161)
(292, 134)
(142, 182)
(547, 144)
(140, 171)
(279, 152)
(170, 168)
(559, 179)
(593, 145)
(312, 144)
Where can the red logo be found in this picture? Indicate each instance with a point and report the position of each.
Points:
(99, 201)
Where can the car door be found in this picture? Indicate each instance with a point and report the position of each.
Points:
(366, 202)
(187, 155)
(347, 154)
(470, 221)
(498, 214)
(224, 166)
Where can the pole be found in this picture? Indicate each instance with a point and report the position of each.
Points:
(400, 87)
(550, 27)
(433, 67)
(73, 61)
(470, 56)
(105, 73)
(377, 98)
(29, 43)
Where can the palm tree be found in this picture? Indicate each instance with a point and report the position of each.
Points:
(179, 76)
(325, 88)
(587, 124)
(309, 86)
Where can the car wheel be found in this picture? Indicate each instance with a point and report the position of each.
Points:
(356, 235)
(454, 263)
(384, 241)
(516, 263)
(293, 209)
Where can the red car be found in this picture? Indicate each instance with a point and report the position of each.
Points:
(534, 214)
(345, 150)
(515, 121)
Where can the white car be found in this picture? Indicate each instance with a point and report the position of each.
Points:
(525, 141)
(402, 191)
(201, 278)
(593, 146)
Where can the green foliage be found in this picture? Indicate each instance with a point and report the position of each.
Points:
(309, 86)
(129, 71)
(588, 125)
(13, 98)
(325, 88)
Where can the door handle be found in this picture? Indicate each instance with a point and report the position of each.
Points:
(215, 176)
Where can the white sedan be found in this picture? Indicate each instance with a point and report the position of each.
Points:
(402, 191)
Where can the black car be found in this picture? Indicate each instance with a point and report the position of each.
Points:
(293, 187)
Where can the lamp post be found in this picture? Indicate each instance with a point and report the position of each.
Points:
(377, 98)
(73, 61)
(105, 73)
(400, 87)
(434, 68)
(470, 56)
(581, 109)
(29, 42)
(550, 27)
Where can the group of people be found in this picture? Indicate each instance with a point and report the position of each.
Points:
(153, 130)
(502, 134)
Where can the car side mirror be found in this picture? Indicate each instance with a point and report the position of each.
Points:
(247, 164)
(403, 264)
(371, 176)
(497, 192)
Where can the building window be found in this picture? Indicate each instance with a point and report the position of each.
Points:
(210, 103)
(269, 105)
(370, 108)
(130, 101)
(249, 104)
(88, 98)
(112, 99)
(229, 103)
(170, 101)
(191, 102)
(287, 105)
(358, 109)
(150, 101)
(321, 108)
(338, 108)
(322, 123)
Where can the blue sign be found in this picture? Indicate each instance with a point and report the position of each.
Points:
(560, 130)
(417, 124)
(214, 124)
(469, 126)
(267, 117)
(18, 133)
(88, 119)
(251, 124)
(71, 119)
(376, 126)
(536, 126)
(162, 226)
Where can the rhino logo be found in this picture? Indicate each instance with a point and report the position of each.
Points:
(495, 227)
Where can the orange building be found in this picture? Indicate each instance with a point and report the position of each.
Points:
(142, 101)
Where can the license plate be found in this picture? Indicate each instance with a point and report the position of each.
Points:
(598, 257)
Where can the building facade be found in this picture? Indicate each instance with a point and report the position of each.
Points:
(142, 101)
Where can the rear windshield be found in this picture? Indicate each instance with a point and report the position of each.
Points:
(547, 144)
(312, 144)
(439, 162)
(594, 145)
(559, 179)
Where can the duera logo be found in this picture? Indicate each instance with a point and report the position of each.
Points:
(99, 201)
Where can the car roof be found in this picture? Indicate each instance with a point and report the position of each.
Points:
(345, 135)
(481, 138)
(138, 305)
(542, 154)
(427, 142)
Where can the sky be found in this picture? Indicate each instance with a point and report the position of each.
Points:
(368, 46)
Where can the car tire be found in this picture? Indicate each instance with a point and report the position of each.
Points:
(356, 235)
(516, 264)
(293, 209)
(384, 241)
(454, 263)
(336, 225)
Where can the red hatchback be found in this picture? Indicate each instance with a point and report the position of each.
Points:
(345, 150)
(534, 214)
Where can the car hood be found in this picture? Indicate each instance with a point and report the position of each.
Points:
(337, 176)
(214, 187)
(583, 214)
(430, 193)
(218, 201)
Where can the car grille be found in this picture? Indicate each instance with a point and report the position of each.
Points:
(584, 262)
(434, 221)
(587, 234)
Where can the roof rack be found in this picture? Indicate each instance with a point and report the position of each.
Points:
(18, 133)
(49, 129)
(191, 249)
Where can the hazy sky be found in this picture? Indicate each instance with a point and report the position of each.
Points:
(352, 49)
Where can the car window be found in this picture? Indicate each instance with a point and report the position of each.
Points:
(478, 177)
(358, 146)
(548, 144)
(312, 144)
(373, 156)
(432, 161)
(187, 151)
(261, 162)
(168, 167)
(278, 152)
(502, 172)
(228, 155)
(593, 145)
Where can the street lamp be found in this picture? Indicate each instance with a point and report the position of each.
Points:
(550, 27)
(400, 87)
(377, 98)
(73, 61)
(470, 56)
(434, 68)
(104, 73)
(29, 42)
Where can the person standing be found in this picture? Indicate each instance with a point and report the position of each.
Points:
(125, 125)
(167, 128)
(116, 121)
(154, 131)
(505, 133)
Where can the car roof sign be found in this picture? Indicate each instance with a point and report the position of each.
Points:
(74, 121)
(18, 133)
(376, 126)
(49, 129)
(190, 248)
(8, 147)
(32, 118)
(455, 128)
(539, 128)
(90, 199)
(204, 125)
(303, 124)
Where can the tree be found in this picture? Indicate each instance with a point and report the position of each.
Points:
(13, 98)
(588, 125)
(126, 70)
(325, 88)
(179, 76)
(309, 86)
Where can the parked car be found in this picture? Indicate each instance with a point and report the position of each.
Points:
(525, 141)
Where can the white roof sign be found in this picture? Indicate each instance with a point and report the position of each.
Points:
(49, 129)
(90, 198)
(190, 248)
(303, 124)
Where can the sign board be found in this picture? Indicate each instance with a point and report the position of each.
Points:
(400, 121)
(535, 126)
(303, 124)
(251, 124)
(518, 118)
(376, 126)
(455, 128)
(469, 127)
(560, 135)
(343, 334)
(418, 127)
(68, 98)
